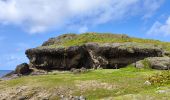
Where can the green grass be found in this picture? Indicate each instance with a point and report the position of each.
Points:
(104, 38)
(96, 84)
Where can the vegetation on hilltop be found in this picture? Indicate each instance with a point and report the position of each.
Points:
(79, 39)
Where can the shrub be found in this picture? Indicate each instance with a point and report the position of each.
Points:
(160, 78)
(146, 64)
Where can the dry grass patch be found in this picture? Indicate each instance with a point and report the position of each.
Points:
(93, 85)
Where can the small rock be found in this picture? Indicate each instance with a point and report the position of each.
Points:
(71, 97)
(62, 96)
(82, 98)
(147, 83)
(73, 69)
(83, 70)
(161, 91)
(76, 98)
(76, 71)
(22, 98)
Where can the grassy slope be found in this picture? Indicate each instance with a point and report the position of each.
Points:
(97, 84)
(106, 38)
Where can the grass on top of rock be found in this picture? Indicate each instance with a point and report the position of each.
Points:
(95, 84)
(79, 39)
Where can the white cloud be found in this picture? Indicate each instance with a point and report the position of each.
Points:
(151, 6)
(160, 29)
(41, 15)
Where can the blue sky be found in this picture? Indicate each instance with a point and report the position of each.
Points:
(28, 23)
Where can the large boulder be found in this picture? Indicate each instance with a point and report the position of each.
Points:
(23, 69)
(160, 63)
(91, 55)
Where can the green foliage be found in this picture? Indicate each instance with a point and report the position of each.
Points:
(146, 64)
(94, 37)
(160, 78)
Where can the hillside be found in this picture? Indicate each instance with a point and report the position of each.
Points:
(92, 66)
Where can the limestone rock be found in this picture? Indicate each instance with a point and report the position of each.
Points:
(139, 64)
(147, 83)
(161, 63)
(91, 55)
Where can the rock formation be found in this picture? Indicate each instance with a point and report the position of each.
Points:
(88, 55)
(91, 55)
(160, 63)
(23, 69)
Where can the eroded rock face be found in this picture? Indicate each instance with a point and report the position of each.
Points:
(61, 58)
(122, 54)
(91, 55)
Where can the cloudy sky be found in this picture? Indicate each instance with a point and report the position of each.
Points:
(27, 23)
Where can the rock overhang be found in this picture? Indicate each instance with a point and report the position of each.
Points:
(92, 55)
